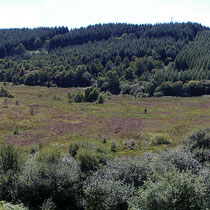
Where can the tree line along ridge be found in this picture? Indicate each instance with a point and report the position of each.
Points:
(141, 60)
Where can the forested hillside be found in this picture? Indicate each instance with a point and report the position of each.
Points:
(31, 39)
(141, 60)
(196, 54)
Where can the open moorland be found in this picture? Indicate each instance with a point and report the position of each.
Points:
(42, 115)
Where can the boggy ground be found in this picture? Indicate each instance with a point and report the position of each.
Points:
(42, 115)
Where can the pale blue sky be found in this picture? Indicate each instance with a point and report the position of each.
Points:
(77, 13)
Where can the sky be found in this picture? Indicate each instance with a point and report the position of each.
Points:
(81, 13)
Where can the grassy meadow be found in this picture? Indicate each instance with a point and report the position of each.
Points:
(40, 115)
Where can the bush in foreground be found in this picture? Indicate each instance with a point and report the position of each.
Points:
(102, 193)
(10, 164)
(40, 180)
(172, 190)
(199, 144)
(88, 178)
(182, 160)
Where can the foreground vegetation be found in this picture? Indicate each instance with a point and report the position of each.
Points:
(87, 177)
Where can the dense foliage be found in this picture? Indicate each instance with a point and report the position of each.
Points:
(141, 60)
(89, 178)
(30, 39)
(90, 95)
(196, 54)
(100, 32)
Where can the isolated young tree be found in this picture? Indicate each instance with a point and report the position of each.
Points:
(113, 82)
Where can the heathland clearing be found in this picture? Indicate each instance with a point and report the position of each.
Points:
(42, 115)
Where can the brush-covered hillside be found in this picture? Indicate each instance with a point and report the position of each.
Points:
(142, 60)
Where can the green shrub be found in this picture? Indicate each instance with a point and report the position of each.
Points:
(131, 143)
(159, 139)
(91, 94)
(125, 88)
(36, 181)
(101, 99)
(102, 193)
(199, 144)
(91, 160)
(73, 148)
(133, 88)
(172, 190)
(34, 149)
(79, 97)
(8, 182)
(10, 164)
(51, 155)
(198, 139)
(196, 88)
(132, 171)
(70, 97)
(181, 159)
(10, 158)
(40, 180)
(68, 183)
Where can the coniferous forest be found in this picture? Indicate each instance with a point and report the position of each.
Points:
(142, 60)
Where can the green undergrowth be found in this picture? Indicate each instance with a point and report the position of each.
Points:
(87, 175)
